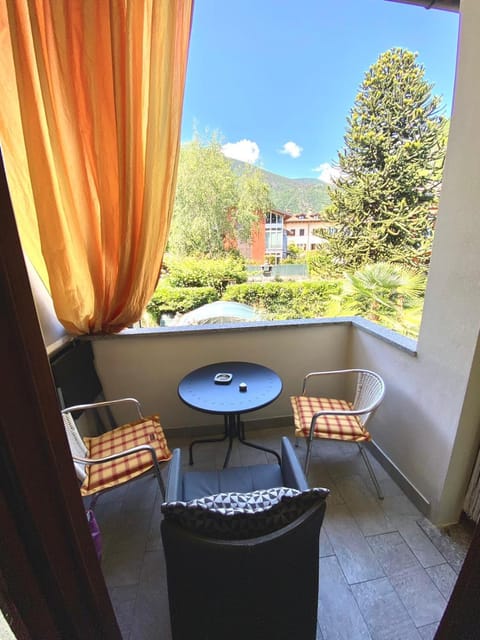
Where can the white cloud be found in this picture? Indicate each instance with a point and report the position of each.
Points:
(327, 172)
(244, 150)
(292, 149)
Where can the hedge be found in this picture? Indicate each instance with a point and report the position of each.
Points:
(202, 272)
(285, 300)
(167, 299)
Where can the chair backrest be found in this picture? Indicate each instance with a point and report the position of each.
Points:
(77, 381)
(369, 392)
(264, 587)
(77, 446)
(74, 373)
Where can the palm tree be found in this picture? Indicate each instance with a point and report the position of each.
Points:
(383, 292)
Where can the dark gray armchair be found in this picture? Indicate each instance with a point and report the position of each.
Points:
(229, 579)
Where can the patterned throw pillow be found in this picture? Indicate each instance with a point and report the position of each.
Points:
(237, 516)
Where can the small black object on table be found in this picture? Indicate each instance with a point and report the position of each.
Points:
(230, 389)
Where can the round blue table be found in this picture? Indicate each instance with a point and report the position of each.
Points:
(252, 387)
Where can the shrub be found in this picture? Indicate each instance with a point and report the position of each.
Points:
(389, 294)
(202, 272)
(294, 255)
(167, 299)
(320, 263)
(285, 300)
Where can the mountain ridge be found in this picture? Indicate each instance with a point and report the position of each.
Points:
(292, 195)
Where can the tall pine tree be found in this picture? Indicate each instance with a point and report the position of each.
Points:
(384, 202)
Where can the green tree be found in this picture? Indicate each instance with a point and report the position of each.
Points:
(389, 294)
(384, 202)
(213, 205)
(254, 198)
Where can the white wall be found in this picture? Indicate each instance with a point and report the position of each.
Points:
(431, 420)
(150, 367)
(406, 428)
(447, 348)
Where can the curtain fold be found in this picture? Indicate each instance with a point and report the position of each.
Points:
(90, 132)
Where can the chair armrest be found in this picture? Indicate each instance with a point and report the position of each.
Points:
(292, 472)
(120, 454)
(105, 403)
(174, 489)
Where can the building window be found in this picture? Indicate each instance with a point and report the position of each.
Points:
(273, 219)
(292, 232)
(301, 232)
(273, 240)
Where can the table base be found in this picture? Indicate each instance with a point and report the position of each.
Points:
(234, 428)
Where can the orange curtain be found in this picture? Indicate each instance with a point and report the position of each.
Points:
(90, 118)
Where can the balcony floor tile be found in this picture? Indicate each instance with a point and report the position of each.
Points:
(385, 571)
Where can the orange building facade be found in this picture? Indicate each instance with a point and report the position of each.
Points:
(268, 239)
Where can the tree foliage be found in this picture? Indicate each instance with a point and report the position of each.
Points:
(172, 300)
(285, 300)
(203, 272)
(321, 264)
(384, 202)
(214, 208)
(389, 294)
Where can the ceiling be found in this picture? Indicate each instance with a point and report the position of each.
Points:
(447, 5)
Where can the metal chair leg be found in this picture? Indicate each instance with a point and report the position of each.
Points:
(161, 484)
(371, 471)
(308, 456)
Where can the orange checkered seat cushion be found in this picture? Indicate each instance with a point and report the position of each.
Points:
(109, 474)
(336, 427)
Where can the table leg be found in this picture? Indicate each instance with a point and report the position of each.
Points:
(241, 437)
(225, 436)
(232, 427)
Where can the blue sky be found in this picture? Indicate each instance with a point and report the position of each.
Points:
(277, 78)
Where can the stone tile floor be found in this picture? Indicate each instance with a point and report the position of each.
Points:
(386, 572)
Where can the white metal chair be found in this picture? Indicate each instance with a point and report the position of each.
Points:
(339, 419)
(119, 455)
